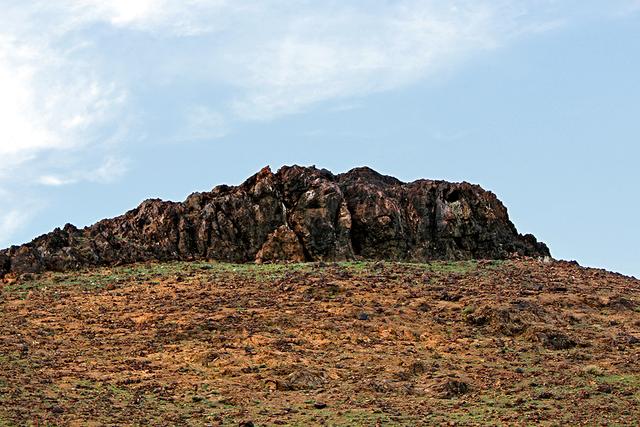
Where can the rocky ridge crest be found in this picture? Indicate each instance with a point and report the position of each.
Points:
(295, 214)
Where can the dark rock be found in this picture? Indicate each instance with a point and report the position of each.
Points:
(545, 395)
(363, 316)
(446, 296)
(629, 339)
(424, 307)
(296, 214)
(452, 388)
(319, 405)
(605, 388)
(476, 319)
(557, 341)
(509, 321)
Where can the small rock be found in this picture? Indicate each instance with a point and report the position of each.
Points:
(247, 423)
(519, 371)
(452, 388)
(363, 316)
(446, 296)
(605, 388)
(557, 341)
(319, 405)
(545, 395)
(424, 307)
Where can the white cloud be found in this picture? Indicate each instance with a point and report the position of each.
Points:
(47, 100)
(55, 181)
(109, 170)
(328, 54)
(21, 129)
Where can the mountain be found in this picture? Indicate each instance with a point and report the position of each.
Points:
(295, 214)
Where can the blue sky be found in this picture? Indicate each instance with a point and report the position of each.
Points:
(105, 104)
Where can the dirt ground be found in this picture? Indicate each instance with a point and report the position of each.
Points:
(518, 342)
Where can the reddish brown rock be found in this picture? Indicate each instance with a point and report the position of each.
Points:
(281, 245)
(296, 214)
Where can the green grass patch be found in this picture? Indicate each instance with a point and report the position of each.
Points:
(151, 273)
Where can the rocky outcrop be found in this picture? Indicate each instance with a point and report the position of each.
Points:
(296, 214)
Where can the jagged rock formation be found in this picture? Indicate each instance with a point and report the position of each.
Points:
(295, 214)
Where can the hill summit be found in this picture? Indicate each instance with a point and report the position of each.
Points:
(295, 214)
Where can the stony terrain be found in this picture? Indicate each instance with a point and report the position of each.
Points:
(515, 342)
(296, 214)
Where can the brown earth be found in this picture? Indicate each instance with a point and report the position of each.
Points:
(518, 342)
(295, 214)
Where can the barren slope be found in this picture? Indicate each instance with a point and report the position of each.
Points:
(515, 342)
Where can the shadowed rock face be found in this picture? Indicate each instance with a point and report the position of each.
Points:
(295, 214)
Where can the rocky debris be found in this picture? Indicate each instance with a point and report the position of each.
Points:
(296, 214)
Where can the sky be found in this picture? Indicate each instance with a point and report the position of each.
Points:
(106, 103)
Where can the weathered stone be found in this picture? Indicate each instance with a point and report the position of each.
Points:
(296, 214)
(281, 245)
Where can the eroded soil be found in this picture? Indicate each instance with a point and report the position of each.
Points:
(467, 343)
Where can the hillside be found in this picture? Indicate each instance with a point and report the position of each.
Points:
(295, 214)
(518, 342)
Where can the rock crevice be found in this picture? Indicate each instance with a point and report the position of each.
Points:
(295, 214)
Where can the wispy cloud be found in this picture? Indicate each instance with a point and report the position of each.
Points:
(344, 52)
(55, 181)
